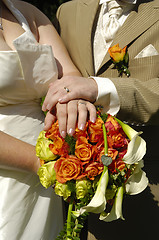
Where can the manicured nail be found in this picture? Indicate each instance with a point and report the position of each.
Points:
(63, 134)
(93, 120)
(48, 107)
(82, 127)
(71, 131)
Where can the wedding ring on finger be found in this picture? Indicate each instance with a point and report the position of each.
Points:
(67, 89)
(79, 103)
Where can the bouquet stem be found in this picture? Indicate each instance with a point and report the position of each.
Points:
(68, 230)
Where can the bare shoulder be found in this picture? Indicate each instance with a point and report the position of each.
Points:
(32, 14)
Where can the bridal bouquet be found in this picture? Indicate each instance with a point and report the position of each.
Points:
(92, 170)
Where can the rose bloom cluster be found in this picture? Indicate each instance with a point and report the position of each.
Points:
(88, 149)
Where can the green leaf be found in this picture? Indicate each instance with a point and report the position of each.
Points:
(76, 238)
(79, 226)
(126, 58)
(71, 142)
(104, 117)
(106, 160)
(77, 230)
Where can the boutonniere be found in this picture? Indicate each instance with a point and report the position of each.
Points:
(120, 58)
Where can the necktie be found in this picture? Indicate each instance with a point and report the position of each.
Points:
(112, 24)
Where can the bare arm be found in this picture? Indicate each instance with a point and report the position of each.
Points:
(17, 154)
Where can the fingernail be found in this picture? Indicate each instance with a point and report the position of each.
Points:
(71, 131)
(63, 134)
(82, 127)
(48, 107)
(93, 120)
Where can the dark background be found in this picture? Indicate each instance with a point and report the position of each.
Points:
(49, 7)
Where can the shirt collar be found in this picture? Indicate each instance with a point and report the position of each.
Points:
(125, 1)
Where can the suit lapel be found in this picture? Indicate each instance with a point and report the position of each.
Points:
(86, 12)
(137, 22)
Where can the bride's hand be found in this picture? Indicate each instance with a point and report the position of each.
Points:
(69, 114)
(69, 88)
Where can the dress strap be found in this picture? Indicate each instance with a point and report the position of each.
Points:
(19, 16)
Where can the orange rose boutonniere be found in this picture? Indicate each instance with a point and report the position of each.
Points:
(120, 59)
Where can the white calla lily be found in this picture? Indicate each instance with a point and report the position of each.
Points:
(130, 132)
(136, 150)
(98, 202)
(116, 211)
(138, 181)
(136, 147)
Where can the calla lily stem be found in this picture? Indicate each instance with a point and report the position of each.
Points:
(69, 220)
(105, 140)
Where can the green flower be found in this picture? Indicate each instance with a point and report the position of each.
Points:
(42, 148)
(62, 190)
(47, 174)
(110, 192)
(82, 187)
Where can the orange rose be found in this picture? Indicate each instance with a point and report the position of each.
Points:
(119, 141)
(79, 132)
(112, 125)
(59, 146)
(95, 130)
(117, 53)
(117, 165)
(53, 131)
(67, 168)
(83, 150)
(97, 149)
(94, 169)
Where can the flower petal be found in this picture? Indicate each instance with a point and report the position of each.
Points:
(136, 149)
(130, 132)
(137, 182)
(47, 174)
(116, 211)
(98, 202)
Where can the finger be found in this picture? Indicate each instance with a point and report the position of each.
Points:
(62, 118)
(72, 111)
(55, 92)
(92, 112)
(49, 120)
(71, 95)
(82, 114)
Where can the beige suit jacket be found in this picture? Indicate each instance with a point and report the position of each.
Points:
(138, 94)
(139, 99)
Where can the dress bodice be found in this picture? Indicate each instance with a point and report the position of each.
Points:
(24, 79)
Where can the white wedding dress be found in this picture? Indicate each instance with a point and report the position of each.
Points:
(28, 211)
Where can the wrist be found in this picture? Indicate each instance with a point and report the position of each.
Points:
(36, 165)
(94, 89)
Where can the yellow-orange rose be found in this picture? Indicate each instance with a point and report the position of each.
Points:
(117, 53)
(67, 168)
(83, 150)
(53, 131)
(93, 169)
(113, 153)
(95, 130)
(59, 146)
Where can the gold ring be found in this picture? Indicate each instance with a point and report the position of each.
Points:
(67, 89)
